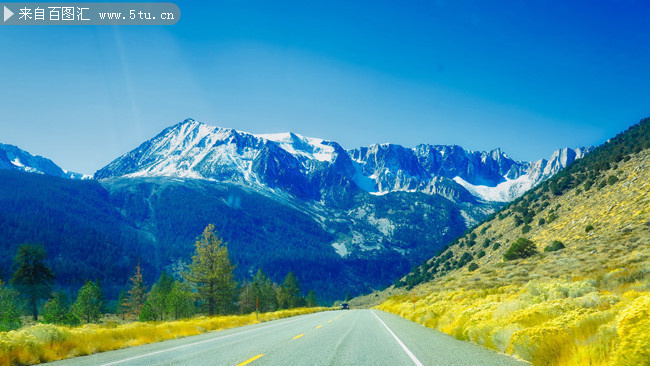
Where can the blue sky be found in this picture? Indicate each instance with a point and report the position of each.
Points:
(526, 76)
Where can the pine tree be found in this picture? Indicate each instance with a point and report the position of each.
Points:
(264, 292)
(147, 313)
(122, 306)
(137, 293)
(157, 297)
(90, 301)
(311, 299)
(212, 273)
(290, 292)
(180, 304)
(57, 309)
(32, 277)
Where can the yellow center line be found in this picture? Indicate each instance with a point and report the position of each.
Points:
(298, 336)
(250, 360)
(320, 326)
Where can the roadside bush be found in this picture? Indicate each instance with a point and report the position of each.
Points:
(521, 248)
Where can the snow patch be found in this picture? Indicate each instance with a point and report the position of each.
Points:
(17, 162)
(340, 249)
(502, 192)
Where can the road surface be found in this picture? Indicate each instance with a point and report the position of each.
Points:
(345, 337)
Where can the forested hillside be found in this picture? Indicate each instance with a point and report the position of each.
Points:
(85, 236)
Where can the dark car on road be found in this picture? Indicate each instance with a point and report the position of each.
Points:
(345, 306)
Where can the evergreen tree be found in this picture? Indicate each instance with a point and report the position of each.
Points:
(147, 313)
(137, 293)
(290, 292)
(9, 309)
(32, 277)
(57, 309)
(521, 248)
(264, 292)
(179, 301)
(247, 299)
(122, 306)
(311, 299)
(158, 296)
(212, 273)
(90, 301)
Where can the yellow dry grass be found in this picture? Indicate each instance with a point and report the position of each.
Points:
(47, 342)
(546, 323)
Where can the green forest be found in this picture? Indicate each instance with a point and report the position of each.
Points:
(206, 285)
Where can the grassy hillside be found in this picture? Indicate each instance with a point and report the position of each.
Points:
(580, 295)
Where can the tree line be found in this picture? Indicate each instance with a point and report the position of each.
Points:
(204, 286)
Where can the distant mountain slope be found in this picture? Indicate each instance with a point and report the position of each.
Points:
(85, 236)
(333, 251)
(311, 168)
(583, 298)
(13, 158)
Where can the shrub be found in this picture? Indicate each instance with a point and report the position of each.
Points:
(9, 309)
(486, 243)
(552, 217)
(555, 246)
(612, 179)
(496, 246)
(480, 254)
(526, 228)
(588, 228)
(521, 248)
(541, 222)
(472, 267)
(518, 220)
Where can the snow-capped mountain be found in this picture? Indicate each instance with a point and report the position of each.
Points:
(311, 168)
(14, 158)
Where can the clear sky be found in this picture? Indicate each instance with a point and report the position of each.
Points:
(526, 76)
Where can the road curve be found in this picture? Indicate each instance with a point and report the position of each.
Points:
(352, 337)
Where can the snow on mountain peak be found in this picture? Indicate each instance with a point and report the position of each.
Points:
(308, 147)
(14, 158)
(308, 167)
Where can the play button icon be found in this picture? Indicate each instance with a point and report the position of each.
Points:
(8, 13)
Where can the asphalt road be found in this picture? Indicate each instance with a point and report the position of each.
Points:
(346, 337)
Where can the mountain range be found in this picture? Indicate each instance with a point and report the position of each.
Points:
(358, 217)
(311, 168)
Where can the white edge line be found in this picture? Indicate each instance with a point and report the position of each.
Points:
(196, 343)
(408, 351)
